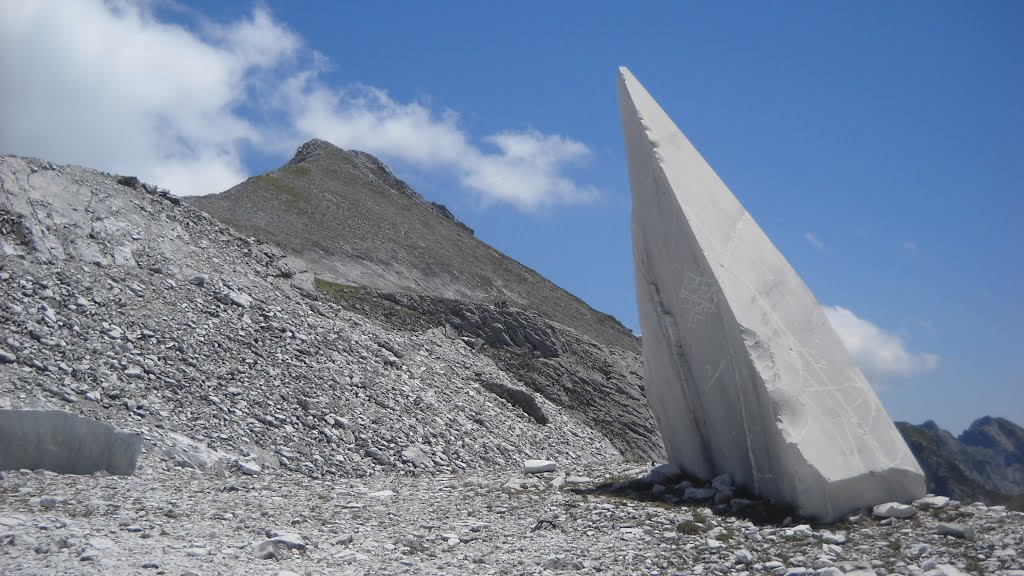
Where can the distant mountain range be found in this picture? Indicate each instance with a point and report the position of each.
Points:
(986, 463)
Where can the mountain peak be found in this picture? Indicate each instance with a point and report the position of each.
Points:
(312, 149)
(370, 165)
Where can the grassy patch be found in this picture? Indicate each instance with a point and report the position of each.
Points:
(279, 183)
(690, 527)
(698, 516)
(336, 290)
(295, 170)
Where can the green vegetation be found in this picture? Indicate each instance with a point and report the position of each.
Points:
(283, 181)
(695, 526)
(698, 516)
(336, 290)
(295, 170)
(689, 527)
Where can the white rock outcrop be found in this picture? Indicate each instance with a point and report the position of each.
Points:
(743, 371)
(65, 443)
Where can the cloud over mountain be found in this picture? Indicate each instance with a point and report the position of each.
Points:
(178, 99)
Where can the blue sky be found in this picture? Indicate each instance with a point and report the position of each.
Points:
(878, 144)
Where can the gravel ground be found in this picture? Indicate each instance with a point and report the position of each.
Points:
(172, 520)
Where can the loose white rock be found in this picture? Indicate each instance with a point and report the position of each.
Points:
(249, 468)
(931, 502)
(538, 466)
(894, 510)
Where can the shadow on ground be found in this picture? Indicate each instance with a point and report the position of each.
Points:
(744, 506)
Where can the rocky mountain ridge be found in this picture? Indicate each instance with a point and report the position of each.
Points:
(352, 221)
(128, 308)
(389, 249)
(985, 463)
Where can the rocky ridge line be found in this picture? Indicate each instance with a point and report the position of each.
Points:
(120, 305)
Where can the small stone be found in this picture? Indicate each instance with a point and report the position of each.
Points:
(89, 556)
(135, 372)
(415, 456)
(239, 299)
(955, 530)
(800, 532)
(151, 565)
(48, 502)
(289, 539)
(249, 468)
(724, 497)
(10, 521)
(7, 358)
(664, 474)
(694, 494)
(822, 562)
(894, 510)
(931, 502)
(722, 483)
(836, 538)
(538, 466)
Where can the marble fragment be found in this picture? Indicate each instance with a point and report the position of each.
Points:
(743, 371)
(538, 466)
(65, 443)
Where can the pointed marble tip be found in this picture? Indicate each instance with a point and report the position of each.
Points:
(625, 77)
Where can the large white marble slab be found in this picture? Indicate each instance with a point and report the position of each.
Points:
(743, 371)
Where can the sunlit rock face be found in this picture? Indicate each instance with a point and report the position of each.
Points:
(743, 371)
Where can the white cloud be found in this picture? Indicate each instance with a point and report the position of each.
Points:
(910, 247)
(880, 354)
(112, 86)
(524, 168)
(813, 241)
